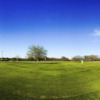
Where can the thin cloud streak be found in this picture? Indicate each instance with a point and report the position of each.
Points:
(96, 33)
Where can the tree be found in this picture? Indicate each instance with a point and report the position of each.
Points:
(37, 52)
(64, 58)
(77, 58)
(91, 58)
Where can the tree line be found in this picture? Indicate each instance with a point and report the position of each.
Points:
(76, 58)
(86, 58)
(39, 53)
(33, 59)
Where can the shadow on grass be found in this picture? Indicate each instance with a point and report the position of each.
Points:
(11, 96)
(47, 63)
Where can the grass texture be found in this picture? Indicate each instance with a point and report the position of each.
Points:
(49, 81)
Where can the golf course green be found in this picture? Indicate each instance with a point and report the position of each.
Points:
(49, 81)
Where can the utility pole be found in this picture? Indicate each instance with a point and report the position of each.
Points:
(89, 58)
(2, 55)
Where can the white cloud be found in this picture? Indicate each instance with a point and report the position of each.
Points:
(96, 33)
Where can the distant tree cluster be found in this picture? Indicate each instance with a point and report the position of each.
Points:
(14, 59)
(76, 58)
(38, 53)
(86, 58)
(5, 59)
(58, 59)
(32, 59)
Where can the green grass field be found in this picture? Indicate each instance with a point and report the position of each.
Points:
(49, 81)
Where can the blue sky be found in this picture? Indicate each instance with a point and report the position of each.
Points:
(63, 27)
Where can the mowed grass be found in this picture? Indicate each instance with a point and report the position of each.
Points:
(49, 81)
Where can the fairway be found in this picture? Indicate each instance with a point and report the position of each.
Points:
(49, 81)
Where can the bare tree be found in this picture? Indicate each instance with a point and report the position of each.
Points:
(37, 52)
(17, 57)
